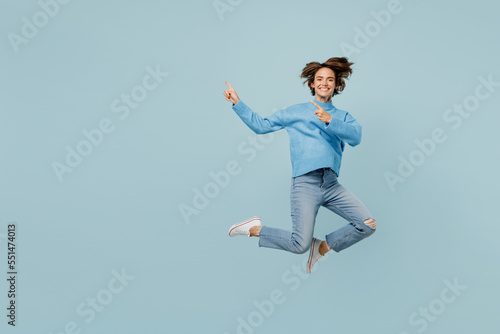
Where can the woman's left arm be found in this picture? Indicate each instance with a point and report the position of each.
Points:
(348, 130)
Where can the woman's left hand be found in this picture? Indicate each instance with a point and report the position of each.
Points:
(322, 114)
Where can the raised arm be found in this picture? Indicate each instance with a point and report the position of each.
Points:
(253, 120)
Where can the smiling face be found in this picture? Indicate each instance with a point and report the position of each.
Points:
(324, 84)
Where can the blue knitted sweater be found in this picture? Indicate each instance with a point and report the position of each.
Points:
(313, 143)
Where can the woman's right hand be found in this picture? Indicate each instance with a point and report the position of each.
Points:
(230, 94)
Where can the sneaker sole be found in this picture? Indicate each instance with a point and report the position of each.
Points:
(311, 252)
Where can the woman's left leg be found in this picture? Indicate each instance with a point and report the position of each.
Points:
(344, 203)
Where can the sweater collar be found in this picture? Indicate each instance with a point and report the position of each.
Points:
(324, 105)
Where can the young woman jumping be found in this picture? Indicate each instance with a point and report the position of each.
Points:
(318, 132)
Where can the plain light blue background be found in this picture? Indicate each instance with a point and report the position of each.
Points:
(120, 207)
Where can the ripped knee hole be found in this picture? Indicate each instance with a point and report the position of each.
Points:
(371, 223)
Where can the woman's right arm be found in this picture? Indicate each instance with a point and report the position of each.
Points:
(253, 120)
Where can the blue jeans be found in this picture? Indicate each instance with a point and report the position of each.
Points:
(308, 192)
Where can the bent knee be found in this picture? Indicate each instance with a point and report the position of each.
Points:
(300, 247)
(371, 223)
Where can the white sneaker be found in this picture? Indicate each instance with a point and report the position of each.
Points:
(314, 254)
(244, 227)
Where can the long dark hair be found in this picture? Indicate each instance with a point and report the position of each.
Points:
(339, 65)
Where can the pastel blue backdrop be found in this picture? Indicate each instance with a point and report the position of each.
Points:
(106, 248)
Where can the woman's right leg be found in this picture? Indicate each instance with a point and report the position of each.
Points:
(305, 200)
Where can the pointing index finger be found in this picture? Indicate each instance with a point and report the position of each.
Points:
(230, 87)
(316, 104)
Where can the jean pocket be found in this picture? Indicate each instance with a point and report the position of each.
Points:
(333, 173)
